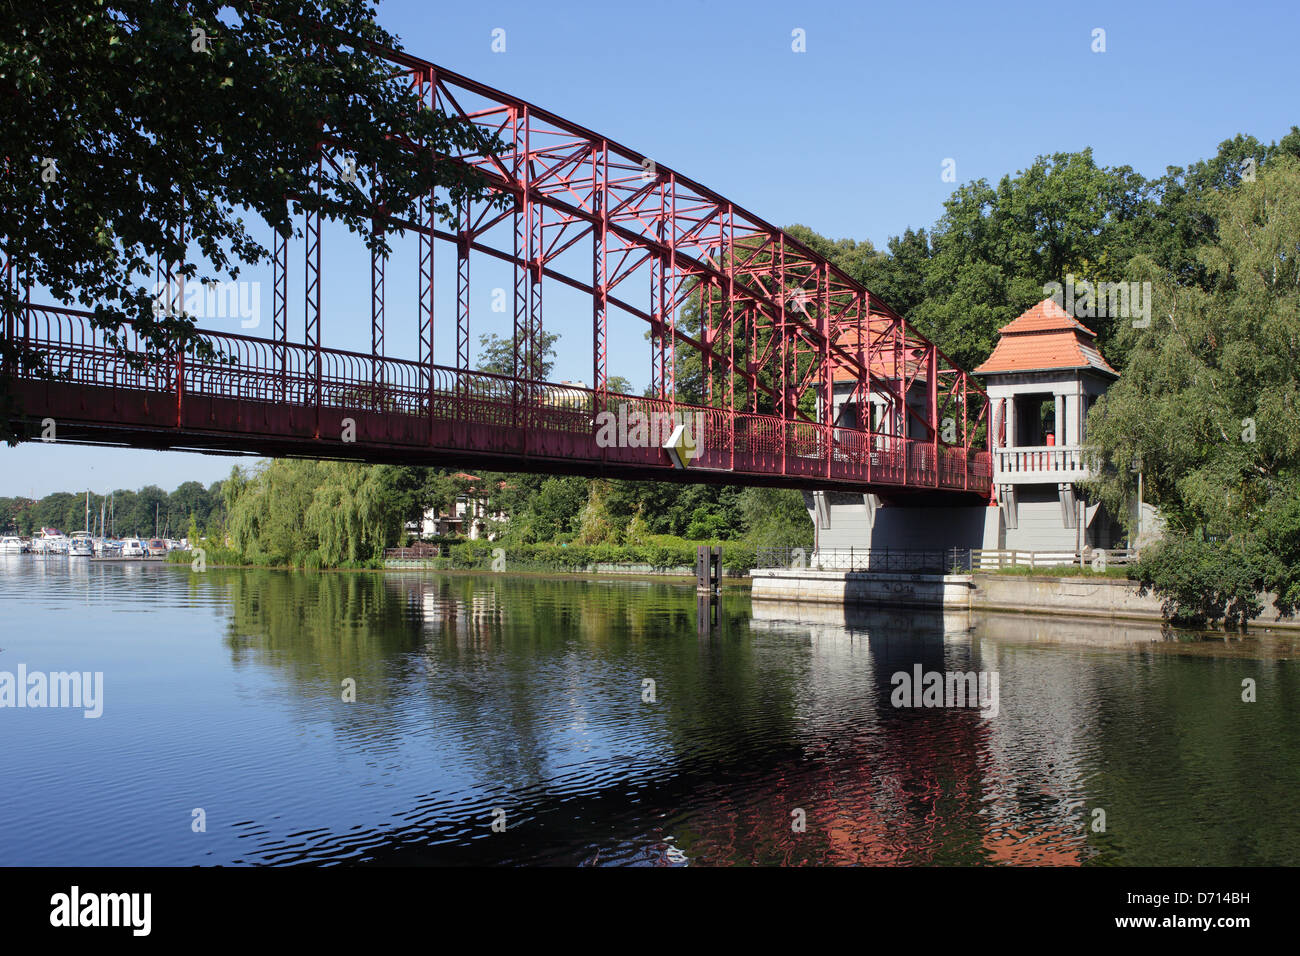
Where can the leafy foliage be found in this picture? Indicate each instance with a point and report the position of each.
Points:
(1208, 403)
(146, 512)
(335, 513)
(136, 131)
(497, 354)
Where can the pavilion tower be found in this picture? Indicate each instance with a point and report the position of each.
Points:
(1044, 375)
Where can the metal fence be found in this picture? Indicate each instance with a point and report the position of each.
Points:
(950, 561)
(1096, 558)
(420, 550)
(559, 421)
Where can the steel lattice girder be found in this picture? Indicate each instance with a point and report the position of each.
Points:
(802, 322)
(639, 214)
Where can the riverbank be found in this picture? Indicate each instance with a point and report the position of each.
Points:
(1097, 596)
(658, 555)
(1056, 593)
(443, 565)
(678, 575)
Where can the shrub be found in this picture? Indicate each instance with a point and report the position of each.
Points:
(1201, 582)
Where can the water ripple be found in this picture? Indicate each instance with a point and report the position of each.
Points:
(408, 719)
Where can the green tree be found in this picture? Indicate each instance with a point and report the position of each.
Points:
(994, 249)
(147, 512)
(141, 130)
(497, 354)
(555, 508)
(356, 512)
(776, 518)
(121, 508)
(53, 511)
(1185, 221)
(596, 524)
(1208, 403)
(898, 277)
(189, 500)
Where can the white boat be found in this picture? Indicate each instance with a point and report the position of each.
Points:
(81, 545)
(11, 544)
(50, 541)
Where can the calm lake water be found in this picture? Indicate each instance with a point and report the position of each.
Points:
(477, 695)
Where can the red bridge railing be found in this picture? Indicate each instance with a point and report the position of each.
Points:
(264, 371)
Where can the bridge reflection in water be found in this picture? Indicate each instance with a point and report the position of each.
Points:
(528, 694)
(754, 721)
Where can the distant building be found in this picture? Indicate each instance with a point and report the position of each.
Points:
(571, 395)
(468, 515)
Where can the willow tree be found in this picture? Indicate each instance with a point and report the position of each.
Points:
(354, 513)
(134, 132)
(1207, 407)
(266, 522)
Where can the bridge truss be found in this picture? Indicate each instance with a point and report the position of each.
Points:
(755, 340)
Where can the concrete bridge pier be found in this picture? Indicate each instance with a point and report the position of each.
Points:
(866, 522)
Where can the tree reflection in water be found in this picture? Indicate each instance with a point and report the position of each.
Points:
(525, 693)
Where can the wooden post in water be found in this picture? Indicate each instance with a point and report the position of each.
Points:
(706, 613)
(708, 581)
(708, 568)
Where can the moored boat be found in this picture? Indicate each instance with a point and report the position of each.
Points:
(50, 541)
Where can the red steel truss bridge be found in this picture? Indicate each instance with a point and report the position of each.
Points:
(799, 376)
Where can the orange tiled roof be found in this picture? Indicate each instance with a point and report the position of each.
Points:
(1045, 337)
(851, 340)
(1047, 316)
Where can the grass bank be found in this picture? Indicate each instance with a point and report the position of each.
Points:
(658, 553)
(1060, 571)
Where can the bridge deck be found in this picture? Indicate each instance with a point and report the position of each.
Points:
(282, 399)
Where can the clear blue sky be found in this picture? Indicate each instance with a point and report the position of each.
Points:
(848, 137)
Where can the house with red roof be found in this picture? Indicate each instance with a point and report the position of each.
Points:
(469, 513)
